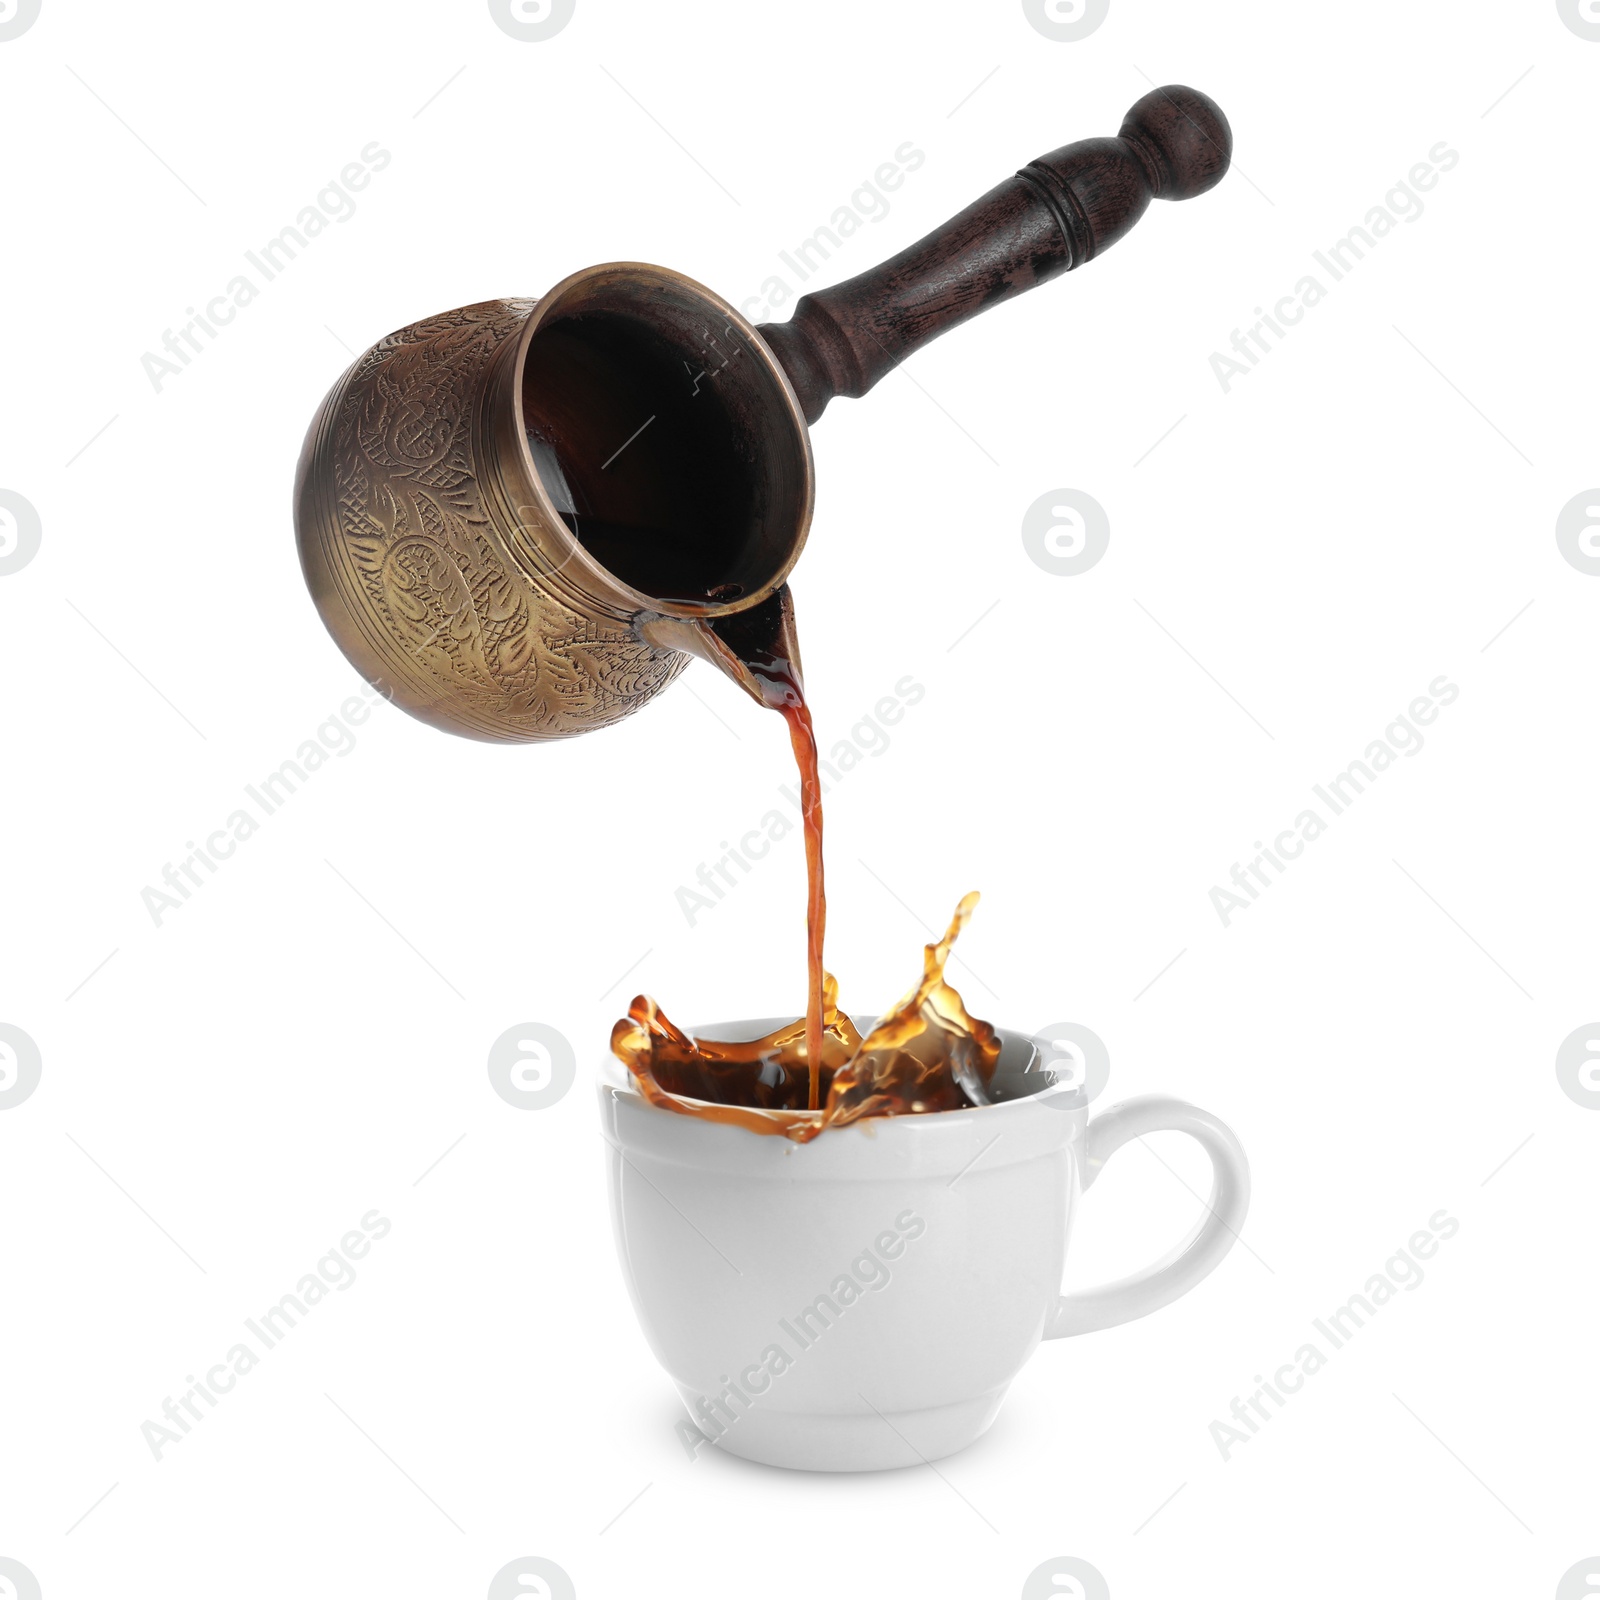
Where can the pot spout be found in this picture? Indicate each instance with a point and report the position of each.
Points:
(757, 648)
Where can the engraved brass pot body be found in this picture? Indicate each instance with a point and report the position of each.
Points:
(509, 515)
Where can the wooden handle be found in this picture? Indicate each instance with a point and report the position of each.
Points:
(1055, 214)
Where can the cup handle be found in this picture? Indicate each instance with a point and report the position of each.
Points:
(1181, 1268)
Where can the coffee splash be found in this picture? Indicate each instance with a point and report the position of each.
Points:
(928, 1054)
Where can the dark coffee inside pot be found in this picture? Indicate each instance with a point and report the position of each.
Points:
(650, 427)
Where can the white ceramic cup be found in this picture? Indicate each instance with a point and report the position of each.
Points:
(863, 1301)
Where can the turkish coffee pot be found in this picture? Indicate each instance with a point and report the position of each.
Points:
(520, 519)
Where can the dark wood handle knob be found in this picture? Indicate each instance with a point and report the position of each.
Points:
(1055, 214)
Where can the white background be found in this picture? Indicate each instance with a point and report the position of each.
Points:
(225, 1095)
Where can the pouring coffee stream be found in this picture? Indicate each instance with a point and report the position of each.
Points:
(926, 1054)
(760, 650)
(521, 518)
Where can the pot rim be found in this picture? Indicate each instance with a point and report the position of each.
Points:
(570, 551)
